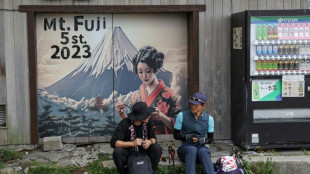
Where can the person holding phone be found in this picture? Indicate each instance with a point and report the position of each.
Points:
(195, 129)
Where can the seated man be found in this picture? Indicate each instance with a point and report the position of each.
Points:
(143, 137)
(191, 128)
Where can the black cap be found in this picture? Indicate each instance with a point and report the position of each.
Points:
(140, 111)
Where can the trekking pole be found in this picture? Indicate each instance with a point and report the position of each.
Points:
(171, 157)
(239, 157)
(169, 167)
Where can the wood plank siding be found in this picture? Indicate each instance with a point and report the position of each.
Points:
(214, 57)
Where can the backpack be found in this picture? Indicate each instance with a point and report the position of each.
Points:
(139, 163)
(227, 165)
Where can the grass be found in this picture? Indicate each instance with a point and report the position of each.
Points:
(8, 155)
(1, 165)
(304, 150)
(274, 152)
(261, 167)
(52, 168)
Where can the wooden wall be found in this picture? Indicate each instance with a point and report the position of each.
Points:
(214, 56)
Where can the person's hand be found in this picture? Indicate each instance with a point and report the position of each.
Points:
(137, 142)
(201, 141)
(119, 106)
(190, 138)
(195, 139)
(146, 144)
(157, 114)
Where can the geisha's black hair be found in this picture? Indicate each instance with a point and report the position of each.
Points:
(150, 56)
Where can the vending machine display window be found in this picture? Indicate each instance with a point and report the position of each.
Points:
(280, 45)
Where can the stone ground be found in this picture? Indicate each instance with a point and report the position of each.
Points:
(287, 161)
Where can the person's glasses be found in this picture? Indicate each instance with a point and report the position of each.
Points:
(196, 99)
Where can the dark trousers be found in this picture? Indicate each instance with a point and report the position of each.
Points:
(120, 157)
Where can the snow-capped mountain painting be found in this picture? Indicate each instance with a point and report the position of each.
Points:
(77, 96)
(108, 69)
(110, 64)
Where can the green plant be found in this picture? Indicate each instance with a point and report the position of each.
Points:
(262, 167)
(304, 150)
(270, 167)
(7, 155)
(53, 168)
(257, 167)
(273, 151)
(103, 157)
(246, 166)
(96, 168)
(1, 165)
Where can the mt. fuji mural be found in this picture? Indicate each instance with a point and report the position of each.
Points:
(109, 68)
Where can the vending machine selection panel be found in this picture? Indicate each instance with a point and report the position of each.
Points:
(279, 45)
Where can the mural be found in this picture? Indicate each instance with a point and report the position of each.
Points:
(87, 67)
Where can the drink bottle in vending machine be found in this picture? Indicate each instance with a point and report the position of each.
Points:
(270, 32)
(265, 32)
(280, 31)
(275, 31)
(259, 31)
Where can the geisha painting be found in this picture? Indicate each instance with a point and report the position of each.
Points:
(132, 58)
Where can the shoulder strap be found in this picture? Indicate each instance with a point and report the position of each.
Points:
(133, 133)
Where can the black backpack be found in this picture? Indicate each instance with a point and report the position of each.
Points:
(139, 163)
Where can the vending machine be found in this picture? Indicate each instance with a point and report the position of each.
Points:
(270, 78)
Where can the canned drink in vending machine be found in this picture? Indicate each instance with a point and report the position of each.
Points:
(264, 65)
(301, 64)
(258, 65)
(275, 50)
(307, 49)
(281, 50)
(291, 65)
(285, 64)
(296, 49)
(269, 50)
(264, 50)
(307, 65)
(275, 65)
(259, 50)
(280, 65)
(296, 65)
(286, 50)
(302, 49)
(291, 50)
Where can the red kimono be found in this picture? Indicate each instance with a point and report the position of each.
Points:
(163, 98)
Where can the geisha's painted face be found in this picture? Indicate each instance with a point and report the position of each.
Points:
(146, 73)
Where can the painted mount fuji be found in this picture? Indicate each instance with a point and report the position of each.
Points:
(109, 68)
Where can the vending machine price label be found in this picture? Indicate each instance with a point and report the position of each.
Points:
(293, 86)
